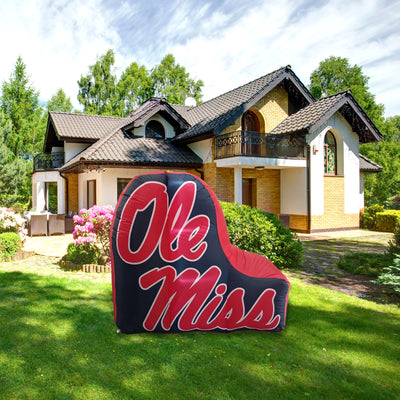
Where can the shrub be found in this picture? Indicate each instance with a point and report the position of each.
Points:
(394, 245)
(390, 275)
(12, 222)
(364, 263)
(10, 243)
(369, 217)
(93, 226)
(386, 221)
(87, 253)
(254, 230)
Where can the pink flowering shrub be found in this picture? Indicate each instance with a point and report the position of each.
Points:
(12, 222)
(92, 227)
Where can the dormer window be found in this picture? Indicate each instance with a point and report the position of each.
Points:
(155, 130)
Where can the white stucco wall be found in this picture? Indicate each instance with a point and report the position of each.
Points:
(169, 130)
(294, 191)
(203, 149)
(347, 164)
(362, 191)
(38, 190)
(72, 149)
(106, 184)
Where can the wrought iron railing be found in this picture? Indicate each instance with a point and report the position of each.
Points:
(48, 161)
(258, 144)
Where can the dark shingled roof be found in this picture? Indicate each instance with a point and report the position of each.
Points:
(367, 165)
(82, 126)
(215, 115)
(312, 117)
(120, 147)
(151, 107)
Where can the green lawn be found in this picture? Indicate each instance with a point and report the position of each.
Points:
(58, 341)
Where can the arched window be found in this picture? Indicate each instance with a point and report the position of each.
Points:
(330, 154)
(250, 122)
(155, 129)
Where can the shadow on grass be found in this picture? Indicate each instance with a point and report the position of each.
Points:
(58, 341)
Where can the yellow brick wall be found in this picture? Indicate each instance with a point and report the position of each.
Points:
(273, 108)
(225, 189)
(334, 216)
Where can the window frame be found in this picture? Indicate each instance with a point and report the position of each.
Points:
(327, 147)
(148, 128)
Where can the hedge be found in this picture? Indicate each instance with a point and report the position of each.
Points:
(254, 230)
(386, 221)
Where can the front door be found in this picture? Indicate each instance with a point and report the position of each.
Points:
(247, 192)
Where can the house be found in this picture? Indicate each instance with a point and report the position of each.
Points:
(267, 143)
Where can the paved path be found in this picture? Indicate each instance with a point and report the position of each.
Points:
(55, 246)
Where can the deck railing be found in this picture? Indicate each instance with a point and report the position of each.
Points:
(46, 161)
(258, 144)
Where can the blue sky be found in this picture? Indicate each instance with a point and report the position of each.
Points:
(224, 43)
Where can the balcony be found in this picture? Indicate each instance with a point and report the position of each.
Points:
(256, 144)
(47, 161)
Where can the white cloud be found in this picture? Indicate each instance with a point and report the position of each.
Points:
(224, 43)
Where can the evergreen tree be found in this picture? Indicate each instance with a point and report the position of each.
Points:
(20, 103)
(59, 102)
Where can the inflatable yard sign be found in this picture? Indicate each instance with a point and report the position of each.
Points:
(174, 268)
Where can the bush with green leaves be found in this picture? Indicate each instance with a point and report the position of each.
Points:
(390, 275)
(254, 230)
(394, 245)
(386, 221)
(368, 220)
(10, 243)
(86, 253)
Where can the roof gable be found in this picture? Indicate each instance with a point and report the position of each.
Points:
(213, 116)
(151, 107)
(312, 117)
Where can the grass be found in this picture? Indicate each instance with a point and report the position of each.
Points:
(58, 341)
(365, 263)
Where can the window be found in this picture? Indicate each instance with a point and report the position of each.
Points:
(155, 129)
(330, 154)
(91, 193)
(251, 138)
(51, 200)
(250, 122)
(121, 184)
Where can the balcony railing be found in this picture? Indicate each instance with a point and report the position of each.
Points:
(256, 144)
(48, 161)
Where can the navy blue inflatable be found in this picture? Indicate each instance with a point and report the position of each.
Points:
(174, 268)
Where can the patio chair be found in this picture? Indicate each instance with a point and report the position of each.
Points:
(38, 224)
(57, 224)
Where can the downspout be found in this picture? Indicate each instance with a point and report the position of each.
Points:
(308, 188)
(201, 172)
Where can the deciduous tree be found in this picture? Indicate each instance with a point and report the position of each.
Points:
(335, 74)
(98, 89)
(172, 82)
